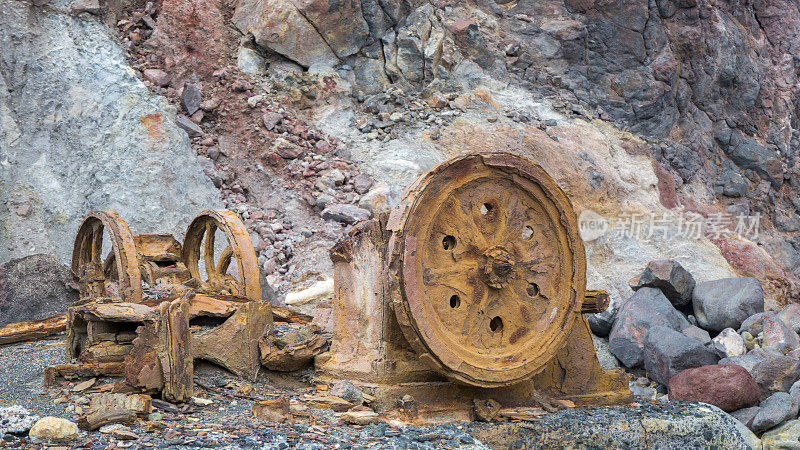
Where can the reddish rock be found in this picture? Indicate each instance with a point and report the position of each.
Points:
(728, 387)
(157, 77)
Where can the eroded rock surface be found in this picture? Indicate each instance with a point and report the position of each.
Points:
(79, 132)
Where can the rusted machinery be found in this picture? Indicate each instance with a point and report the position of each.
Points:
(147, 311)
(473, 288)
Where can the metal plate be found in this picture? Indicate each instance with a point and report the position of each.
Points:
(488, 269)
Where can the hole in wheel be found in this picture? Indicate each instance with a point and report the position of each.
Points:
(449, 242)
(532, 289)
(455, 301)
(496, 324)
(527, 232)
(486, 208)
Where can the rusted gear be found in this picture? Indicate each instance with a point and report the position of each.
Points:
(246, 282)
(488, 271)
(119, 272)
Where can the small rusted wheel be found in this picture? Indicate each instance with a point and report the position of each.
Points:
(245, 281)
(488, 271)
(118, 275)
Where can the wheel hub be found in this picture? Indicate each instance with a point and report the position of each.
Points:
(499, 267)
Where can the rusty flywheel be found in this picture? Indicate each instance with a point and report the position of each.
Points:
(488, 271)
(118, 276)
(246, 280)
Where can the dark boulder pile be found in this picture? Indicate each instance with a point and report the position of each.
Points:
(710, 342)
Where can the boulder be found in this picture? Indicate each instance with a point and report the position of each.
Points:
(601, 323)
(772, 371)
(774, 410)
(110, 142)
(646, 308)
(377, 199)
(667, 352)
(16, 419)
(670, 277)
(728, 343)
(728, 387)
(778, 336)
(786, 436)
(698, 334)
(791, 316)
(726, 303)
(746, 415)
(35, 287)
(53, 429)
(665, 425)
(279, 26)
(755, 323)
(341, 24)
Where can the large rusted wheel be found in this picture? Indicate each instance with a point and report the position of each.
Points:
(488, 271)
(118, 275)
(245, 281)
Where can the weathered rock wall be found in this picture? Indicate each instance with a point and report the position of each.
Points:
(79, 132)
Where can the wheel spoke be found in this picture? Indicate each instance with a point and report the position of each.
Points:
(468, 230)
(208, 250)
(451, 277)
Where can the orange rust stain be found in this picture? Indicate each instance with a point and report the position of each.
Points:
(154, 124)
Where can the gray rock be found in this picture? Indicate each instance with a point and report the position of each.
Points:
(772, 371)
(667, 425)
(794, 391)
(728, 343)
(110, 142)
(667, 352)
(778, 336)
(746, 415)
(35, 287)
(733, 184)
(726, 303)
(192, 129)
(191, 98)
(755, 323)
(698, 334)
(670, 277)
(607, 360)
(377, 199)
(602, 322)
(346, 390)
(250, 61)
(648, 307)
(16, 419)
(87, 6)
(362, 183)
(791, 316)
(776, 409)
(786, 436)
(348, 214)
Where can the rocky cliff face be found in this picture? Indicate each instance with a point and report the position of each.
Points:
(79, 132)
(314, 114)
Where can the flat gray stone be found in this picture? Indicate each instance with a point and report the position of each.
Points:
(670, 425)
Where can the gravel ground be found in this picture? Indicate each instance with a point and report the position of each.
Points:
(228, 421)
